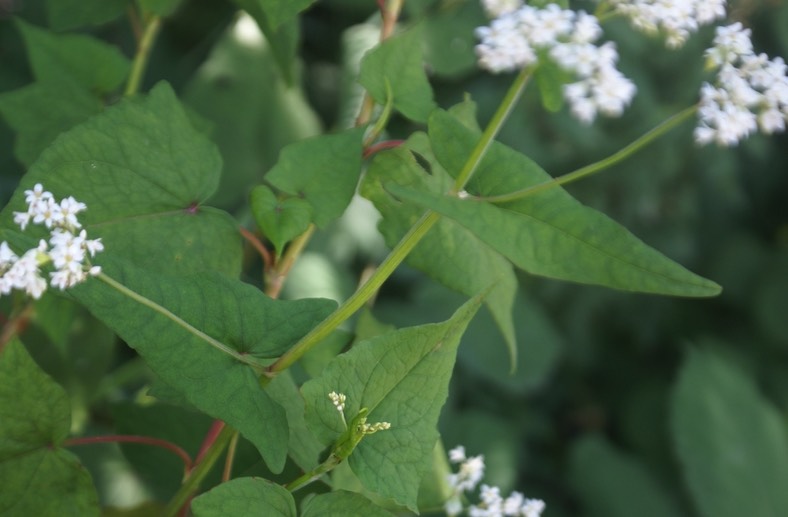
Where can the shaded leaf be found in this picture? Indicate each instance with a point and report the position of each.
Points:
(611, 484)
(397, 64)
(401, 377)
(73, 14)
(731, 442)
(41, 111)
(96, 66)
(245, 496)
(38, 476)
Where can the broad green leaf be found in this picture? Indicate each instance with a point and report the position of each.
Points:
(341, 504)
(397, 64)
(252, 112)
(280, 220)
(283, 38)
(324, 170)
(171, 324)
(449, 253)
(96, 66)
(72, 14)
(401, 377)
(548, 234)
(38, 476)
(611, 484)
(143, 172)
(304, 448)
(732, 443)
(245, 496)
(41, 111)
(276, 11)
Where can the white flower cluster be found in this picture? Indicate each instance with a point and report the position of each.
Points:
(517, 38)
(676, 19)
(492, 504)
(750, 91)
(67, 250)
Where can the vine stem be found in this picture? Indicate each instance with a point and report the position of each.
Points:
(405, 245)
(15, 324)
(202, 466)
(152, 26)
(144, 440)
(605, 163)
(278, 274)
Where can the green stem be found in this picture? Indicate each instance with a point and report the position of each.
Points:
(143, 54)
(314, 474)
(178, 321)
(192, 483)
(492, 129)
(405, 245)
(602, 164)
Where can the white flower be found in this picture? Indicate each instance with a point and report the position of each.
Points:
(516, 38)
(675, 19)
(457, 454)
(66, 250)
(750, 91)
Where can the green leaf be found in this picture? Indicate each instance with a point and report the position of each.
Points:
(324, 170)
(283, 38)
(397, 64)
(731, 442)
(449, 253)
(548, 234)
(38, 476)
(73, 14)
(253, 113)
(276, 11)
(341, 504)
(550, 78)
(611, 484)
(401, 377)
(41, 111)
(171, 324)
(304, 448)
(245, 496)
(143, 172)
(280, 220)
(93, 64)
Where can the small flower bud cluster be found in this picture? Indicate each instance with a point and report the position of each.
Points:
(68, 247)
(676, 19)
(492, 504)
(517, 39)
(750, 92)
(338, 399)
(374, 428)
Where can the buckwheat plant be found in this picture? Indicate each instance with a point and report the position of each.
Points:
(247, 353)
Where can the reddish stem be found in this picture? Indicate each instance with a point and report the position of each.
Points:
(252, 239)
(210, 437)
(387, 144)
(145, 440)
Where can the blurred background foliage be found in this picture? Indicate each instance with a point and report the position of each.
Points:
(598, 418)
